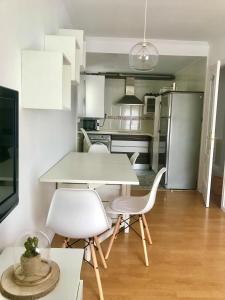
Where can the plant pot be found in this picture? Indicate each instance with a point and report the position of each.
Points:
(31, 265)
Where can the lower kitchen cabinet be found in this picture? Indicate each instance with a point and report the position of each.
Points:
(129, 144)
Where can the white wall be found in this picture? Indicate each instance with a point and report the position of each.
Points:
(192, 77)
(44, 136)
(217, 51)
(100, 44)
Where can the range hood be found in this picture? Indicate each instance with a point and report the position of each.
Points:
(129, 98)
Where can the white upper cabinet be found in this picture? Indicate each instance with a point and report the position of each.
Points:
(70, 47)
(95, 96)
(79, 35)
(81, 94)
(46, 80)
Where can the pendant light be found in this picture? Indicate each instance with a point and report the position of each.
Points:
(144, 55)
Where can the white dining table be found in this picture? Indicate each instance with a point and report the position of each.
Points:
(94, 169)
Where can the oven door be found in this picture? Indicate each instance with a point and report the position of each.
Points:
(107, 143)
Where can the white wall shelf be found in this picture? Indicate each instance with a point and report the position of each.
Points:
(70, 47)
(79, 35)
(46, 80)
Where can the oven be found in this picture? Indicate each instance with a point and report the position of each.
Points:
(101, 138)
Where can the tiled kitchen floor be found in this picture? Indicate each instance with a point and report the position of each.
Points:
(146, 178)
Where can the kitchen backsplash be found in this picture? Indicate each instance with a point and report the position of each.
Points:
(129, 117)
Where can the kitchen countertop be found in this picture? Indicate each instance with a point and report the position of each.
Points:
(120, 132)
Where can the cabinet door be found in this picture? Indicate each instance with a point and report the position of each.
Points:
(81, 91)
(46, 80)
(95, 96)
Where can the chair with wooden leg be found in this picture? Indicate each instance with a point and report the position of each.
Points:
(79, 214)
(135, 206)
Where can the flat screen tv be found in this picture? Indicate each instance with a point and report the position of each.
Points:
(8, 151)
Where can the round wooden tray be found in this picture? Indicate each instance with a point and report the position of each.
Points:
(11, 290)
(43, 274)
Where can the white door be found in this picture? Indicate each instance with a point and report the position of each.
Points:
(155, 156)
(211, 97)
(223, 191)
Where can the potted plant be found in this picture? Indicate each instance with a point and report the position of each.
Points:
(31, 258)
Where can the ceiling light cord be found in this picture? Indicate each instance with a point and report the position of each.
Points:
(143, 56)
(145, 19)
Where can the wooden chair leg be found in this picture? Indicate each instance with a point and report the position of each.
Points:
(143, 241)
(100, 251)
(97, 274)
(115, 231)
(65, 243)
(147, 229)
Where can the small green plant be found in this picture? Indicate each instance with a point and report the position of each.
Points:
(31, 246)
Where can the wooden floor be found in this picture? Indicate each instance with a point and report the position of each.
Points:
(187, 258)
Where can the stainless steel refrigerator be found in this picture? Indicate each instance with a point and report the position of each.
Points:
(177, 135)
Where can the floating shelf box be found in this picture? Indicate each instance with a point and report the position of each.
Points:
(70, 47)
(46, 80)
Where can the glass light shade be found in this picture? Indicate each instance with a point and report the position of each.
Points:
(143, 56)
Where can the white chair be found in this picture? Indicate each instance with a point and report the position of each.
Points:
(87, 141)
(98, 148)
(79, 214)
(135, 206)
(134, 157)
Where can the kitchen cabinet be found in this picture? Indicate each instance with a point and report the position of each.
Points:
(79, 35)
(129, 144)
(94, 96)
(91, 96)
(70, 47)
(46, 80)
(81, 94)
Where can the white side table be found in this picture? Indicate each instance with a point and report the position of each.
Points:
(69, 287)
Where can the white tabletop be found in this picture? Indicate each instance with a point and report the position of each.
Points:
(102, 168)
(69, 261)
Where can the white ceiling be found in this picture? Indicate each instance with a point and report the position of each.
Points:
(106, 62)
(201, 20)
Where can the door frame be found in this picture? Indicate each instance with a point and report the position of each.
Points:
(204, 136)
(208, 132)
(223, 191)
(222, 65)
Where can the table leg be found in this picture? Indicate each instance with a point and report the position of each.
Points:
(126, 192)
